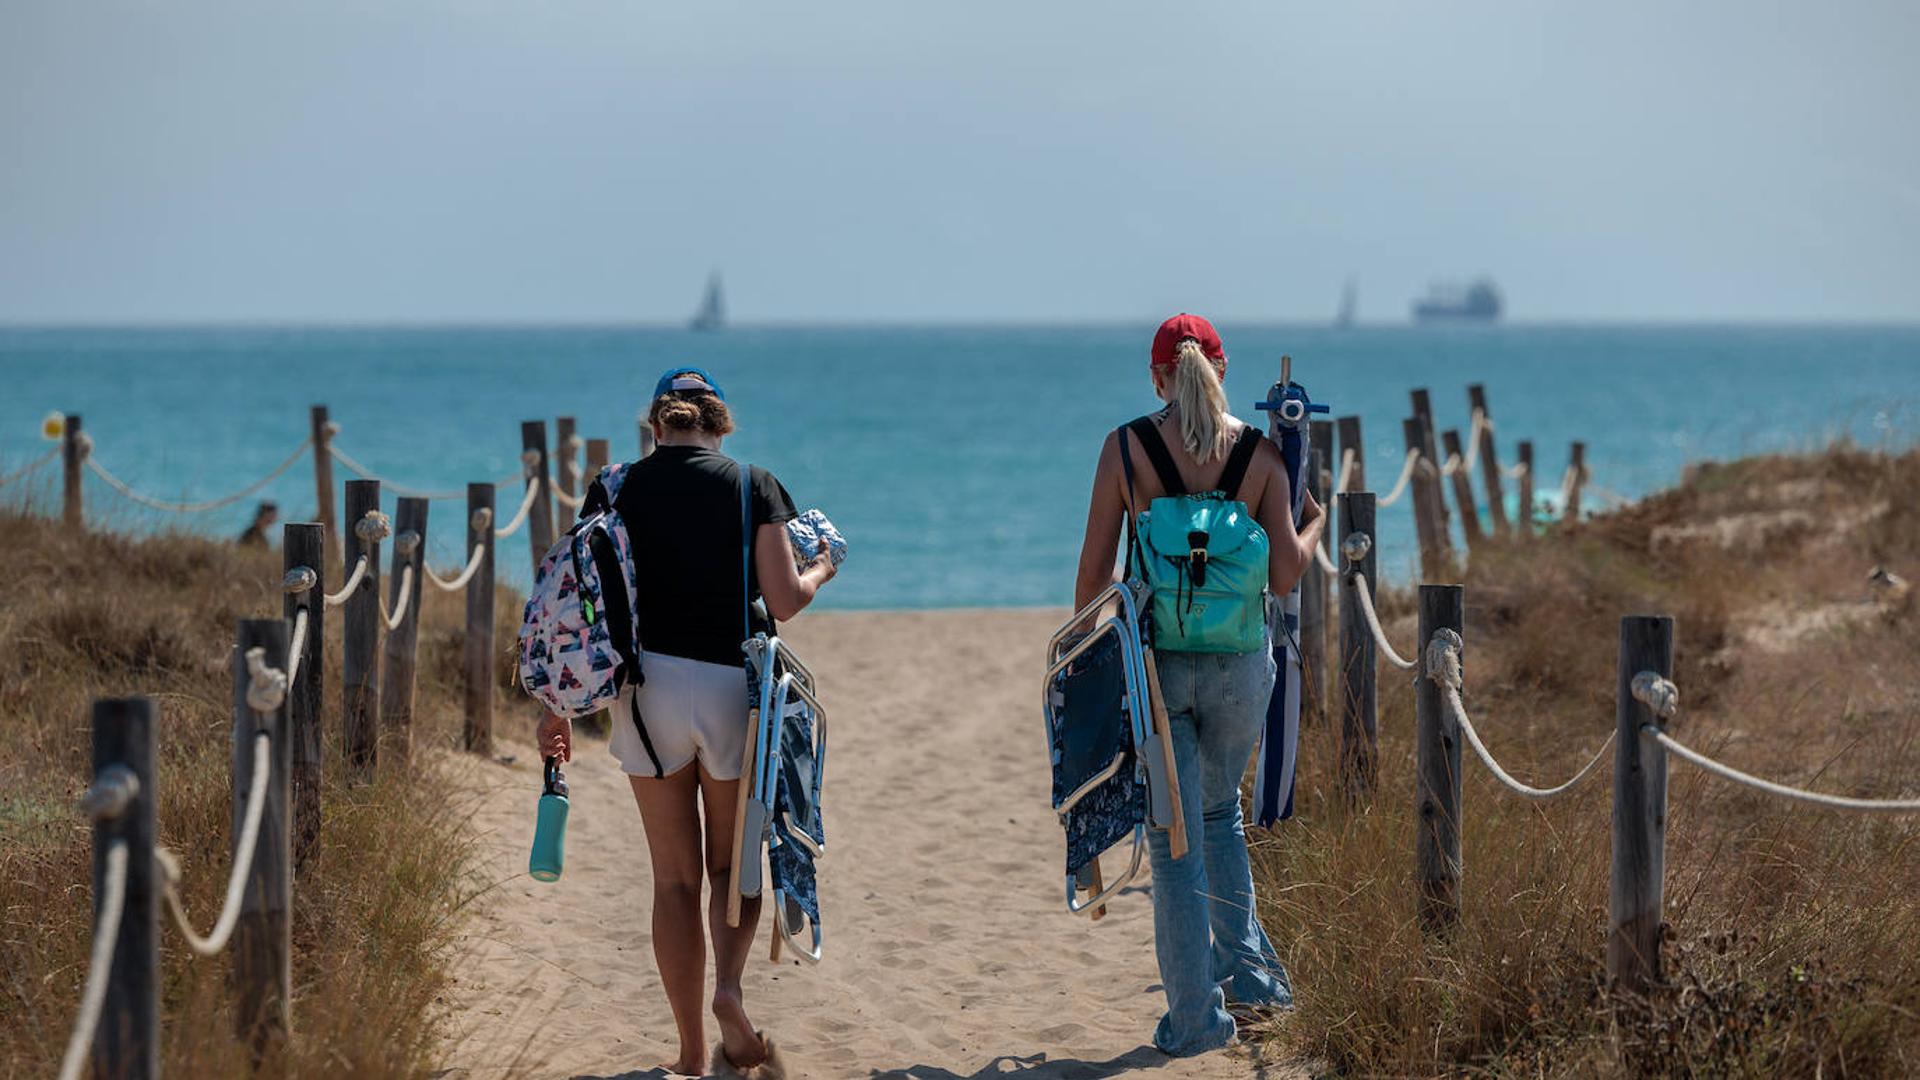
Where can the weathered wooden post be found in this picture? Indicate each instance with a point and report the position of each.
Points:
(1429, 434)
(478, 734)
(1314, 584)
(1359, 701)
(1349, 431)
(359, 659)
(1489, 461)
(304, 545)
(126, 1042)
(263, 937)
(533, 438)
(73, 455)
(1524, 487)
(566, 444)
(1639, 810)
(1463, 489)
(323, 479)
(1425, 492)
(402, 643)
(1577, 464)
(1437, 753)
(598, 453)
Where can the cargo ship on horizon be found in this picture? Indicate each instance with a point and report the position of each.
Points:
(1453, 302)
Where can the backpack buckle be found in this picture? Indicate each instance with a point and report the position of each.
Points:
(1197, 557)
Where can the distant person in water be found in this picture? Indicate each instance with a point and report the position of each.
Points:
(263, 518)
(682, 737)
(1209, 943)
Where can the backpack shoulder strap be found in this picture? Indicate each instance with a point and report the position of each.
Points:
(1157, 455)
(1239, 460)
(746, 551)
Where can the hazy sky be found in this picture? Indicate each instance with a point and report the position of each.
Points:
(382, 160)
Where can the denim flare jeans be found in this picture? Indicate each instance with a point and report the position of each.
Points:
(1206, 936)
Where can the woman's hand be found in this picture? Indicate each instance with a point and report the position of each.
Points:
(555, 737)
(821, 569)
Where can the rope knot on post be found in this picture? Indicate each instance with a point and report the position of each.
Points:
(1354, 548)
(332, 428)
(110, 793)
(480, 519)
(373, 527)
(83, 445)
(1660, 696)
(299, 579)
(407, 543)
(1443, 658)
(266, 686)
(529, 461)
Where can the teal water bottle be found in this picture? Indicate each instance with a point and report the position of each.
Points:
(550, 835)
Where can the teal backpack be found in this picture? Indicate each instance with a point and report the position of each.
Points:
(1202, 555)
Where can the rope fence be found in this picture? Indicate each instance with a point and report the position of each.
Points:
(1406, 476)
(520, 515)
(127, 491)
(229, 917)
(30, 467)
(106, 933)
(1365, 595)
(335, 599)
(1443, 664)
(1817, 798)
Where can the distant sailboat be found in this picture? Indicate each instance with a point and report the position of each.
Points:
(1349, 299)
(713, 308)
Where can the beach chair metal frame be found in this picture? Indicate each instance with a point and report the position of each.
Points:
(1152, 741)
(781, 683)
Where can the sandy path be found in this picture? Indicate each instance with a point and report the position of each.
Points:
(948, 951)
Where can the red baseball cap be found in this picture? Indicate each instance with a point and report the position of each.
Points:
(1166, 340)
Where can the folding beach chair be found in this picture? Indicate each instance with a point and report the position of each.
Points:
(778, 831)
(1111, 750)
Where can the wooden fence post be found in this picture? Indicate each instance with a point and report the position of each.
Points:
(1577, 461)
(1489, 461)
(399, 654)
(1424, 493)
(1524, 493)
(569, 463)
(1349, 432)
(1437, 861)
(1359, 699)
(1639, 811)
(304, 545)
(323, 480)
(1463, 490)
(1429, 435)
(1314, 584)
(126, 1044)
(263, 937)
(73, 457)
(597, 454)
(359, 660)
(478, 734)
(533, 436)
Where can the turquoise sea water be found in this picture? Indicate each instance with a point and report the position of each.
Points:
(956, 460)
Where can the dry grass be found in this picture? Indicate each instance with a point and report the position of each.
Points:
(105, 615)
(1792, 931)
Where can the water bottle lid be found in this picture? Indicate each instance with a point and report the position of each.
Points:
(556, 781)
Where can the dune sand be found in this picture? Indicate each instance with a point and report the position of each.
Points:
(949, 953)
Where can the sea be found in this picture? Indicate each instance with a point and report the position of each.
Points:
(956, 460)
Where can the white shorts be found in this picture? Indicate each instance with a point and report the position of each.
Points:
(692, 709)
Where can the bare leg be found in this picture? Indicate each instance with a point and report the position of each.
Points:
(672, 820)
(731, 944)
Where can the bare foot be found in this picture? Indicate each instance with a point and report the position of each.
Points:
(691, 1063)
(738, 1039)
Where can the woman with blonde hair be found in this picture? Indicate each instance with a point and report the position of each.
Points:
(681, 739)
(1209, 943)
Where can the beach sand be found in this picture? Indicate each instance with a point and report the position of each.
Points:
(948, 949)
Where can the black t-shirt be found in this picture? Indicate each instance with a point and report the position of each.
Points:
(681, 506)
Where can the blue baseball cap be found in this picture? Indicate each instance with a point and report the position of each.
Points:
(687, 378)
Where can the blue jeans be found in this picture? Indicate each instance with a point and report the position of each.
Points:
(1207, 938)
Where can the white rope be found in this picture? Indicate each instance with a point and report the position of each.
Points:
(106, 935)
(1568, 481)
(1517, 470)
(571, 501)
(1326, 564)
(1347, 458)
(1480, 424)
(520, 516)
(298, 647)
(365, 473)
(216, 939)
(399, 611)
(1452, 466)
(1443, 666)
(466, 574)
(1373, 621)
(122, 487)
(353, 582)
(30, 467)
(1400, 485)
(1728, 772)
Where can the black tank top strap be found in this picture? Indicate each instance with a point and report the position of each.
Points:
(1157, 455)
(1239, 460)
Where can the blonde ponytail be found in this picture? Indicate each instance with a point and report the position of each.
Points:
(1203, 403)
